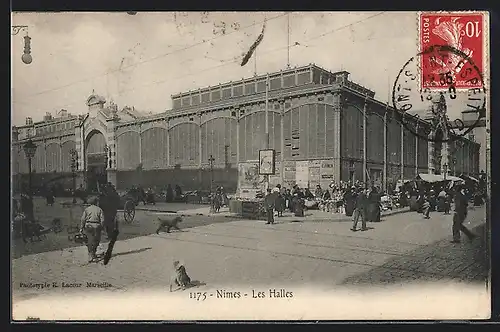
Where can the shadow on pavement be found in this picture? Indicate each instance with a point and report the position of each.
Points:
(132, 252)
(145, 223)
(441, 260)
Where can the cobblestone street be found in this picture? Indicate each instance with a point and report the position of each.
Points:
(400, 249)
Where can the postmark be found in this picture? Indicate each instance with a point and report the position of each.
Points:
(432, 104)
(463, 32)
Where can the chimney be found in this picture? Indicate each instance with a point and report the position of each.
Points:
(47, 117)
(29, 121)
(341, 76)
(63, 113)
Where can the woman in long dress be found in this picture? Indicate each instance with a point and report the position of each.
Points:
(279, 204)
(373, 206)
(350, 199)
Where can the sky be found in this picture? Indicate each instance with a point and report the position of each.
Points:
(141, 60)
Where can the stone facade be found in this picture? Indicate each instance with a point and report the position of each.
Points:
(317, 123)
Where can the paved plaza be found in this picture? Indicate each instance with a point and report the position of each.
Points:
(144, 223)
(221, 251)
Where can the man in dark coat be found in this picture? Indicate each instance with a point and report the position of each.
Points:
(178, 192)
(460, 215)
(373, 205)
(280, 202)
(169, 194)
(269, 204)
(360, 206)
(288, 200)
(109, 200)
(141, 195)
(350, 201)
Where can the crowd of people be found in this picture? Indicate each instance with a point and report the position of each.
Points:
(364, 204)
(342, 198)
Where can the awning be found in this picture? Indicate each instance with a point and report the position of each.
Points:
(431, 178)
(463, 176)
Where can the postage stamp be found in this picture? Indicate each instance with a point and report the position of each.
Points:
(285, 177)
(409, 98)
(462, 32)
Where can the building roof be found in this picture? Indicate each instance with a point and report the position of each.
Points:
(287, 71)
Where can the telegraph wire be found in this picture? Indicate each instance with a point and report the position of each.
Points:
(150, 59)
(346, 26)
(235, 59)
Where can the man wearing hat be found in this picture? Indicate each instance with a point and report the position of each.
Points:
(460, 215)
(92, 223)
(269, 204)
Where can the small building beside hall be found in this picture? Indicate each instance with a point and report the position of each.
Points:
(316, 127)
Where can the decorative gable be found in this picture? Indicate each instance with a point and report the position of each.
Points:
(95, 100)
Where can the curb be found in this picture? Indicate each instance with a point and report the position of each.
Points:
(240, 217)
(344, 218)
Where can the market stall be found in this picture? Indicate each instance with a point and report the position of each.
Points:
(435, 178)
(428, 182)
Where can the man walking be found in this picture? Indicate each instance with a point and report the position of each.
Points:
(110, 221)
(360, 208)
(460, 215)
(92, 223)
(269, 203)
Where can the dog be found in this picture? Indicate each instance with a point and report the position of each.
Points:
(168, 224)
(180, 277)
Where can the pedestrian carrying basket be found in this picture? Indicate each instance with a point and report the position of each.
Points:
(80, 238)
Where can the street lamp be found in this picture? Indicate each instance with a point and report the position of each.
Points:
(26, 57)
(107, 158)
(29, 149)
(445, 167)
(211, 161)
(74, 165)
(364, 112)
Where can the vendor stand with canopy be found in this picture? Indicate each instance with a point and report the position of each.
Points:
(426, 182)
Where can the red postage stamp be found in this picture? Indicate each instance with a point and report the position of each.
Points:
(463, 38)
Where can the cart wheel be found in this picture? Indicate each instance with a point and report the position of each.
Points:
(129, 211)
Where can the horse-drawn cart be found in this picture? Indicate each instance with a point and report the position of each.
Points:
(128, 202)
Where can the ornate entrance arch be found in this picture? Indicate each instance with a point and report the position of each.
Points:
(96, 154)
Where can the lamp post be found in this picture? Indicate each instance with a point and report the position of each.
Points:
(106, 160)
(74, 164)
(29, 149)
(363, 111)
(211, 161)
(445, 168)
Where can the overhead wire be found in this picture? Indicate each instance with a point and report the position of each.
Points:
(235, 59)
(151, 59)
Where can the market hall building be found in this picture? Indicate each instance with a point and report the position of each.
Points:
(316, 126)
